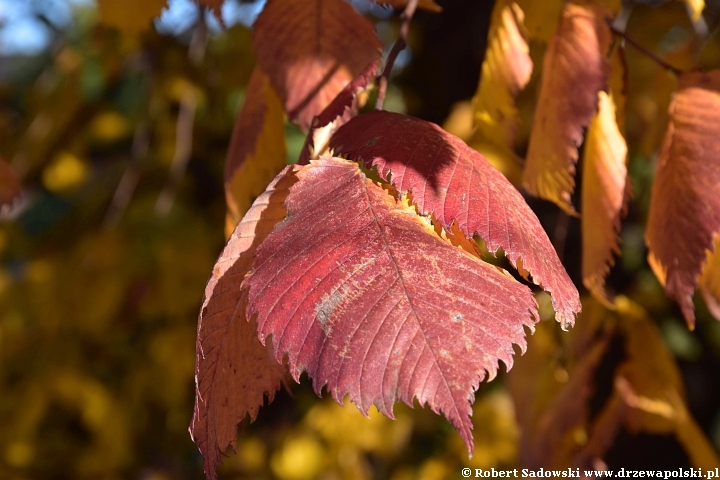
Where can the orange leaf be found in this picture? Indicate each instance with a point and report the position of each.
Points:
(10, 187)
(234, 371)
(685, 205)
(603, 196)
(710, 280)
(311, 50)
(359, 291)
(575, 69)
(257, 148)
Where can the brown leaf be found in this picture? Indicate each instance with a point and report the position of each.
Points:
(575, 69)
(424, 4)
(257, 149)
(455, 183)
(361, 293)
(234, 371)
(311, 50)
(10, 187)
(505, 71)
(603, 196)
(685, 205)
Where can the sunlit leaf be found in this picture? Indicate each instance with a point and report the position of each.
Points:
(359, 291)
(234, 371)
(505, 71)
(685, 207)
(257, 148)
(311, 50)
(455, 183)
(603, 195)
(710, 280)
(575, 69)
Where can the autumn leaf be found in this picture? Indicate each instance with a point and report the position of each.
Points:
(234, 371)
(603, 196)
(575, 69)
(10, 187)
(455, 183)
(131, 16)
(359, 291)
(311, 50)
(505, 72)
(424, 4)
(336, 114)
(685, 207)
(257, 148)
(710, 280)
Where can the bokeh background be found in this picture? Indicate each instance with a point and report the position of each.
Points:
(104, 259)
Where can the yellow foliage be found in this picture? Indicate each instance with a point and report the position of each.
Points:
(131, 16)
(67, 172)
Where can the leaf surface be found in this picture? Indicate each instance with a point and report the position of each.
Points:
(685, 205)
(311, 50)
(361, 293)
(603, 196)
(455, 183)
(337, 113)
(257, 150)
(575, 69)
(506, 70)
(234, 371)
(10, 187)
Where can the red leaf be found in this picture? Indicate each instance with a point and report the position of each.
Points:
(311, 50)
(455, 183)
(685, 205)
(359, 292)
(234, 371)
(336, 114)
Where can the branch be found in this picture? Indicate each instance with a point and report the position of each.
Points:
(643, 50)
(185, 123)
(398, 47)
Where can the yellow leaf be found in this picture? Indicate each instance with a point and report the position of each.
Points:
(541, 17)
(257, 149)
(603, 196)
(505, 71)
(710, 279)
(695, 8)
(131, 16)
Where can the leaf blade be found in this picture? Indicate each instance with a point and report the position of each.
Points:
(361, 300)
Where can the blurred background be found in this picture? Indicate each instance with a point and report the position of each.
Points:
(104, 260)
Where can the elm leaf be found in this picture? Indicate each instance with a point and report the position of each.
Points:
(361, 293)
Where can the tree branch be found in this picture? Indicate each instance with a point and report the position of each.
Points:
(398, 47)
(643, 50)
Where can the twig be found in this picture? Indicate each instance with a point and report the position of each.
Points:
(398, 47)
(643, 50)
(185, 123)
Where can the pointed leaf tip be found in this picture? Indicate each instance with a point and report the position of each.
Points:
(684, 212)
(455, 183)
(359, 292)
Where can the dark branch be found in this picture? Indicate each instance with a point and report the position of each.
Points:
(643, 50)
(398, 47)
